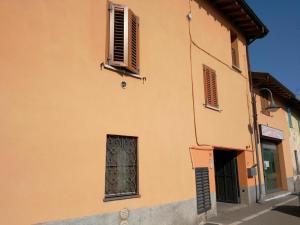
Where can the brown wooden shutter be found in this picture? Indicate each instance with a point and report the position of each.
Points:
(214, 89)
(234, 49)
(206, 85)
(210, 86)
(118, 55)
(124, 38)
(133, 42)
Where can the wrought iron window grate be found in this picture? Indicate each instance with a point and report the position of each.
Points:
(121, 166)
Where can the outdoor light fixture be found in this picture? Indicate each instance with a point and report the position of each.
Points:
(273, 107)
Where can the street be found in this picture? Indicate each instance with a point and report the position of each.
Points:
(284, 211)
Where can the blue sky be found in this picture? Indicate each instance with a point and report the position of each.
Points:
(279, 52)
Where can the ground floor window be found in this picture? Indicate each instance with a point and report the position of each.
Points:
(203, 190)
(121, 175)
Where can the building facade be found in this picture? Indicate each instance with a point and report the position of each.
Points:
(274, 131)
(126, 111)
(293, 120)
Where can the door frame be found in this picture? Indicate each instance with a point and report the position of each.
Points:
(237, 193)
(278, 172)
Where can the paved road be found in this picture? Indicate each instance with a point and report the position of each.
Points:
(285, 211)
(286, 214)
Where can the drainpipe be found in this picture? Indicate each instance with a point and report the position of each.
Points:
(255, 130)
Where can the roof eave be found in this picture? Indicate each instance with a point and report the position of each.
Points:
(243, 17)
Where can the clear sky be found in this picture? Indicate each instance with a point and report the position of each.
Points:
(279, 52)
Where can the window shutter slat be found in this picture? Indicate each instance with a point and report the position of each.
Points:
(206, 85)
(202, 189)
(118, 35)
(210, 86)
(133, 42)
(123, 38)
(214, 88)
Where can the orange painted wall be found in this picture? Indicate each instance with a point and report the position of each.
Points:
(204, 157)
(57, 106)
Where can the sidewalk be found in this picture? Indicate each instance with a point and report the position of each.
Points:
(244, 214)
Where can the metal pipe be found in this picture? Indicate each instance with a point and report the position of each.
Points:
(255, 130)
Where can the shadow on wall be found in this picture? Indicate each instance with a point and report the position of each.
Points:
(209, 11)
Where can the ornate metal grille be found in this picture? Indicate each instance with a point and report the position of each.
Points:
(121, 166)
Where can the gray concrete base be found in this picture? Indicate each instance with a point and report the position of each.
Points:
(178, 213)
(248, 194)
(297, 184)
(291, 184)
(224, 208)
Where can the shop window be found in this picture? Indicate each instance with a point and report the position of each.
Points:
(210, 87)
(123, 38)
(121, 175)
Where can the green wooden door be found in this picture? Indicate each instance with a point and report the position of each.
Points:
(271, 167)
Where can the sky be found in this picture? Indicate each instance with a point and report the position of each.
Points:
(279, 52)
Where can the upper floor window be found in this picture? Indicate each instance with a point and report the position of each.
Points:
(121, 175)
(210, 87)
(123, 38)
(265, 103)
(234, 50)
(289, 111)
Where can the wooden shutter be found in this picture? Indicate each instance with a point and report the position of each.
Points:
(123, 38)
(264, 103)
(234, 49)
(203, 190)
(118, 53)
(210, 87)
(133, 42)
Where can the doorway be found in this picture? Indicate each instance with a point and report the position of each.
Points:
(271, 166)
(226, 176)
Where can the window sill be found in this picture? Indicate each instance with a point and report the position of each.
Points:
(213, 108)
(108, 199)
(122, 71)
(237, 68)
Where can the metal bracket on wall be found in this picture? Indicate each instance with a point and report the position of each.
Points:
(122, 72)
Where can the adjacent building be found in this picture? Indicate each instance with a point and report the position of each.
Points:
(278, 136)
(293, 120)
(127, 111)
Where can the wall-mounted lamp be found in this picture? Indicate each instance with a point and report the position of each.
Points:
(273, 107)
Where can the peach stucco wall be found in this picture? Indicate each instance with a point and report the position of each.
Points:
(57, 106)
(294, 138)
